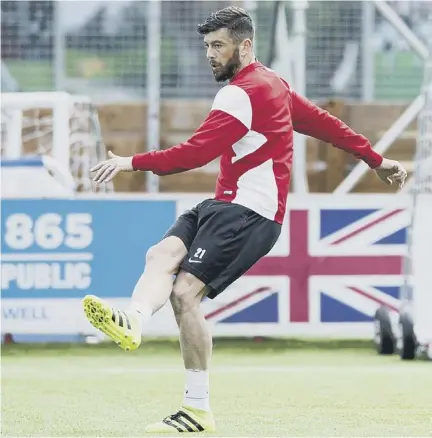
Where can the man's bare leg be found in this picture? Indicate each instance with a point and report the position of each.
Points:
(195, 338)
(196, 346)
(150, 294)
(154, 287)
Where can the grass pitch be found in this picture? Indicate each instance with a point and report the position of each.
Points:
(262, 389)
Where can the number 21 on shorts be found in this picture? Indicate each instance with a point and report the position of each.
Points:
(199, 254)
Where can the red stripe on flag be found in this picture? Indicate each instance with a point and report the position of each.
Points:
(371, 297)
(300, 265)
(365, 227)
(235, 302)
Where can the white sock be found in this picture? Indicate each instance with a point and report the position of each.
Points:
(197, 390)
(141, 311)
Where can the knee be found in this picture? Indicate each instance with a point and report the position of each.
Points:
(167, 254)
(186, 293)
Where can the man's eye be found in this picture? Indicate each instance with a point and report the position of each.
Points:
(217, 46)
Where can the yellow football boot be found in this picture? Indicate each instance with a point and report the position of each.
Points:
(186, 419)
(122, 327)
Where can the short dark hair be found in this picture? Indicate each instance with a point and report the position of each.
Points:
(238, 22)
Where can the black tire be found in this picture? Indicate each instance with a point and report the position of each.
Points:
(384, 339)
(408, 344)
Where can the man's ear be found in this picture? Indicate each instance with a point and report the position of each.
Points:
(247, 45)
(245, 48)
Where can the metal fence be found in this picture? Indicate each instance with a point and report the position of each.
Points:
(101, 50)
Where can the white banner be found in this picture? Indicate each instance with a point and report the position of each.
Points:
(337, 260)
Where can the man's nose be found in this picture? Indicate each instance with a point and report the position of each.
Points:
(210, 54)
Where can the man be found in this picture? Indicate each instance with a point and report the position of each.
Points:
(250, 126)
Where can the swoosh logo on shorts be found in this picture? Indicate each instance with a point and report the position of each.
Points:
(194, 261)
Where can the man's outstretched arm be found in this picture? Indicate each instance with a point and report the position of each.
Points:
(228, 122)
(219, 132)
(315, 122)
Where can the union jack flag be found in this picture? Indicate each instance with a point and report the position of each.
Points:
(336, 264)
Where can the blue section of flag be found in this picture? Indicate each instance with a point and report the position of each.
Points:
(393, 291)
(263, 311)
(335, 311)
(399, 237)
(334, 220)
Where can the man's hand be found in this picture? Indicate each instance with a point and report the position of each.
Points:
(108, 169)
(391, 171)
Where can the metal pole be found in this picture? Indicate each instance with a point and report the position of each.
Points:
(300, 176)
(368, 55)
(153, 85)
(59, 49)
(61, 130)
(13, 146)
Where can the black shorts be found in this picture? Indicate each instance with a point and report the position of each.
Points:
(223, 240)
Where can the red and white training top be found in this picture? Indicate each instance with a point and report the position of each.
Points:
(250, 126)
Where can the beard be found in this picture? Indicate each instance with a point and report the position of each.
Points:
(226, 72)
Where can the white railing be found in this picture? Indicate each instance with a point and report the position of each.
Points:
(407, 116)
(154, 85)
(298, 63)
(383, 144)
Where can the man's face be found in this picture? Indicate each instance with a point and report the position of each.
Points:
(222, 54)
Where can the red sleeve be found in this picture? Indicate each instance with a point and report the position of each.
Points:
(218, 132)
(315, 122)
